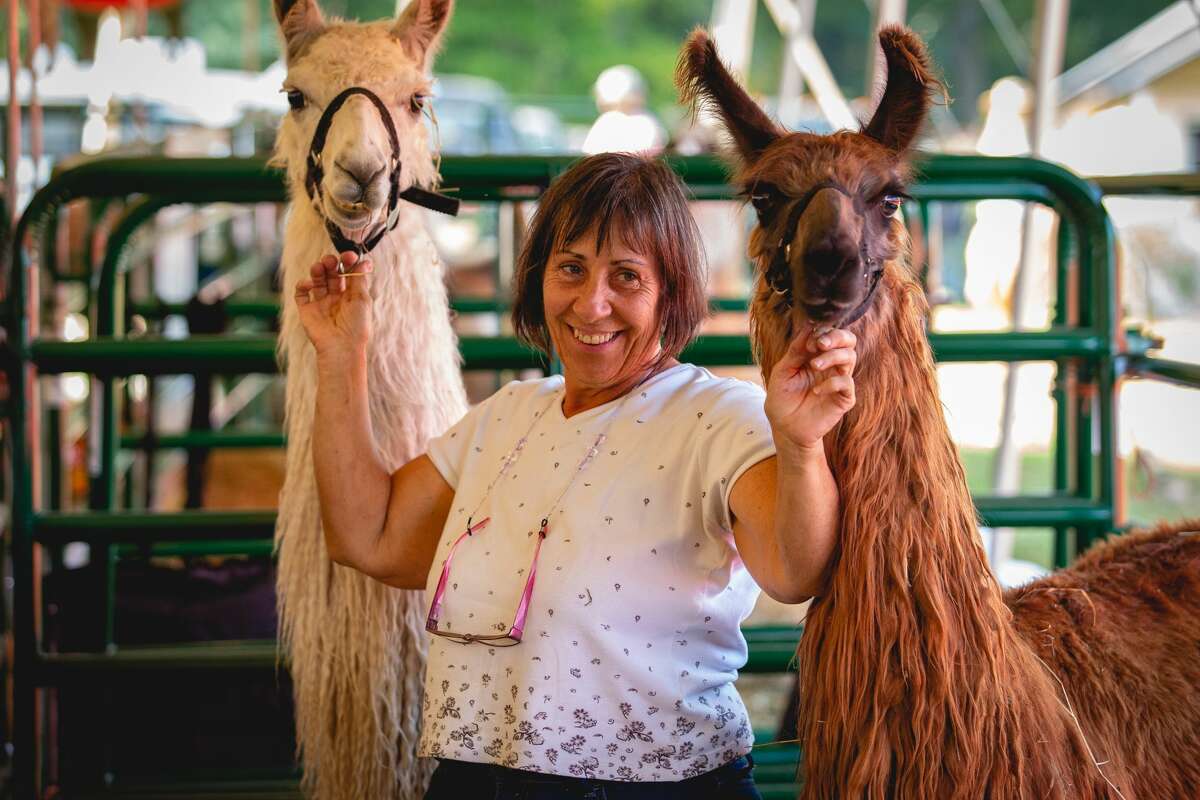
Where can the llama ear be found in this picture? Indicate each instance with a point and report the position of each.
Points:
(299, 22)
(419, 27)
(703, 81)
(907, 94)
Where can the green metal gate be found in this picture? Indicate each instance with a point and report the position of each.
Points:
(1083, 342)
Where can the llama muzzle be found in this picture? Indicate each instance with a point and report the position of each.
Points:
(413, 194)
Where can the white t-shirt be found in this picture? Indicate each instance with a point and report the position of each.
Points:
(633, 640)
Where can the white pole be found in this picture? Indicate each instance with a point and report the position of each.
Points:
(791, 80)
(1049, 41)
(803, 49)
(733, 30)
(887, 12)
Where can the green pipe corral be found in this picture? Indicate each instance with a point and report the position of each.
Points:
(1084, 346)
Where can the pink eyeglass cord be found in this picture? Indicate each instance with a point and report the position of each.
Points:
(518, 626)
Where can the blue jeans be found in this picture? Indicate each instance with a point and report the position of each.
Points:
(462, 780)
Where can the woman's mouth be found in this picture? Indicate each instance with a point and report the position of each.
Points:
(594, 339)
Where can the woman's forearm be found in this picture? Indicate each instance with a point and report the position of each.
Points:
(352, 483)
(807, 516)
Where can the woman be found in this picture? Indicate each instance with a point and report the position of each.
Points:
(590, 542)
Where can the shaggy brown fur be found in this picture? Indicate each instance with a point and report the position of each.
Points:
(919, 678)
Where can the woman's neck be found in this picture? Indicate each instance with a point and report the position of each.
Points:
(578, 398)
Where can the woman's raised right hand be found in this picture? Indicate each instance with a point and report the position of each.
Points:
(335, 309)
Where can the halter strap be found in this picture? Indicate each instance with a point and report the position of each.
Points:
(315, 172)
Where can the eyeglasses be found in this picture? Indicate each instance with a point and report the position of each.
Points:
(517, 629)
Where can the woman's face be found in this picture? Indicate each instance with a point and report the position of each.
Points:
(602, 310)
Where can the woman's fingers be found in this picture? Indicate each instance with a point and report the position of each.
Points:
(843, 358)
(317, 270)
(302, 292)
(318, 276)
(796, 354)
(841, 387)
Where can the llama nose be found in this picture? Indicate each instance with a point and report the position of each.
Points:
(830, 258)
(361, 172)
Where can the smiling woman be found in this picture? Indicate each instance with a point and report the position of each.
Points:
(611, 276)
(636, 201)
(589, 542)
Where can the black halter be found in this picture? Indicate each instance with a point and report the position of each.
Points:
(413, 194)
(778, 273)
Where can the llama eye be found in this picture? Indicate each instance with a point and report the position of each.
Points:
(891, 204)
(417, 103)
(764, 204)
(296, 99)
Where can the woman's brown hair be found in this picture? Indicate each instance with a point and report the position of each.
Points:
(644, 202)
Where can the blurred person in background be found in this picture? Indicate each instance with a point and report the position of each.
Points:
(624, 124)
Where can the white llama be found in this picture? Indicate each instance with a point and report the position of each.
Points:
(356, 648)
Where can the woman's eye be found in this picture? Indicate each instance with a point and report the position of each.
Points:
(296, 99)
(570, 268)
(417, 102)
(628, 277)
(891, 204)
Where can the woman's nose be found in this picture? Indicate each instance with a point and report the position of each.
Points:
(593, 302)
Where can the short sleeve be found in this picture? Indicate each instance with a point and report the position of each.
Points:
(733, 437)
(448, 452)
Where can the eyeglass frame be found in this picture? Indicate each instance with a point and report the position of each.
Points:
(517, 629)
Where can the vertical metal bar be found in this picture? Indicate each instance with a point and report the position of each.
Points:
(1107, 400)
(1048, 56)
(150, 454)
(1061, 319)
(22, 312)
(1062, 381)
(887, 12)
(1106, 384)
(104, 498)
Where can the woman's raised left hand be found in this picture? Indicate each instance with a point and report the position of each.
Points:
(811, 387)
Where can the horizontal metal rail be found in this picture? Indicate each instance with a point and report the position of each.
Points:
(269, 309)
(1186, 184)
(149, 527)
(243, 354)
(1181, 373)
(202, 439)
(772, 649)
(280, 789)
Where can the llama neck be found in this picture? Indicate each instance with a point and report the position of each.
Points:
(416, 385)
(913, 683)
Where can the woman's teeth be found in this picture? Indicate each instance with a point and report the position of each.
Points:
(593, 338)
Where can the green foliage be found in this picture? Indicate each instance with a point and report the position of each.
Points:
(548, 47)
(548, 50)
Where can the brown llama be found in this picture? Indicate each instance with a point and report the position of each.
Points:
(919, 678)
